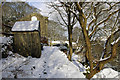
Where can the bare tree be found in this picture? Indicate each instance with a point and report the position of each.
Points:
(89, 28)
(68, 19)
(92, 17)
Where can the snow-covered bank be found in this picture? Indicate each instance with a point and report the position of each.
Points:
(107, 73)
(52, 64)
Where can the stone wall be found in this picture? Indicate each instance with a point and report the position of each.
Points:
(43, 22)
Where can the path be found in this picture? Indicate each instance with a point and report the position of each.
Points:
(52, 64)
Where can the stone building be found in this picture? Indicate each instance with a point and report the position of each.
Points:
(27, 38)
(43, 22)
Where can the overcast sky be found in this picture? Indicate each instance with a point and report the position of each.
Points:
(44, 9)
(42, 6)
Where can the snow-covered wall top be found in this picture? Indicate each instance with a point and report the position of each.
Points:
(26, 26)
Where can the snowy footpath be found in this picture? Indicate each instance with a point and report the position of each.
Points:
(52, 64)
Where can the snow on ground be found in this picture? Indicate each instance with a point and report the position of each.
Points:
(107, 73)
(59, 42)
(56, 42)
(73, 43)
(4, 40)
(52, 64)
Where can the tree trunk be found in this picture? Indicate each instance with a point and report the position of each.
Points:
(83, 23)
(69, 36)
(98, 64)
(70, 45)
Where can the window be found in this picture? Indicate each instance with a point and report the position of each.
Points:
(33, 18)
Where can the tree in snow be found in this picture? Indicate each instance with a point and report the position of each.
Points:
(90, 23)
(94, 17)
(66, 19)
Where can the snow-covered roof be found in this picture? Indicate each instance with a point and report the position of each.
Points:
(26, 26)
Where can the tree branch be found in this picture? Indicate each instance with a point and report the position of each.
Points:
(110, 6)
(102, 62)
(103, 22)
(83, 22)
(59, 13)
(105, 46)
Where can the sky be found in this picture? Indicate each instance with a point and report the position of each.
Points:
(45, 10)
(42, 6)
